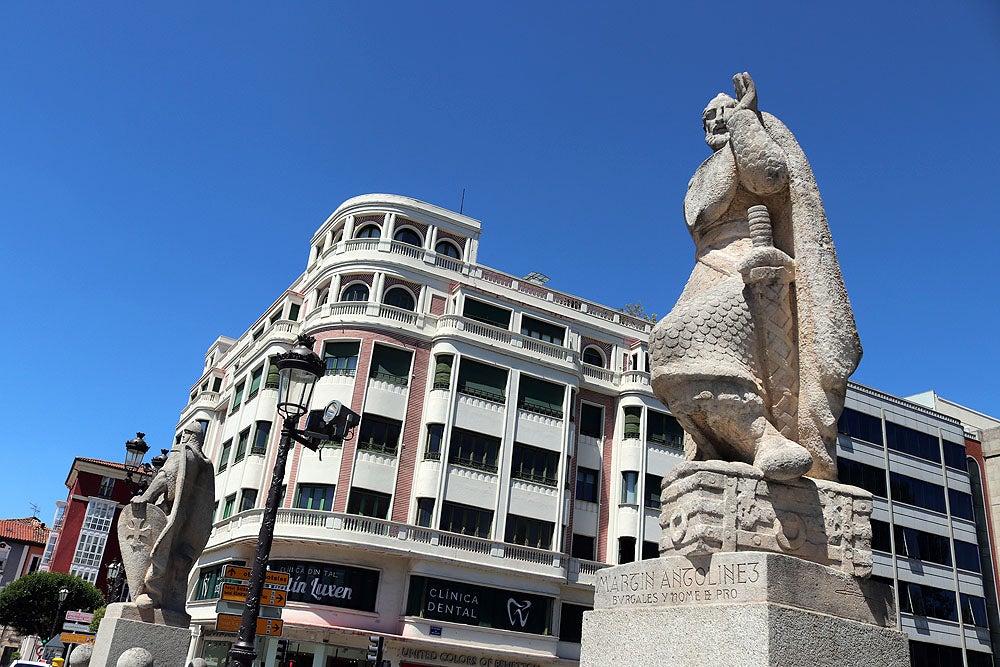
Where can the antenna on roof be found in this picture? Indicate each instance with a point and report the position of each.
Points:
(461, 205)
(34, 509)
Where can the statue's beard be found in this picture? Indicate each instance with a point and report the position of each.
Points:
(716, 141)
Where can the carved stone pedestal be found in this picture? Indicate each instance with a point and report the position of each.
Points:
(167, 636)
(747, 609)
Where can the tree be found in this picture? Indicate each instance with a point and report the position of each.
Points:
(30, 604)
(98, 617)
(638, 310)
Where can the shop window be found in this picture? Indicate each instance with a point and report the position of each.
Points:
(435, 434)
(543, 331)
(586, 484)
(591, 420)
(227, 448)
(482, 381)
(341, 357)
(425, 509)
(583, 546)
(399, 297)
(633, 420)
(248, 498)
(368, 232)
(315, 497)
(355, 292)
(466, 520)
(630, 482)
(663, 429)
(442, 370)
(626, 550)
(473, 450)
(529, 532)
(486, 313)
(448, 249)
(534, 464)
(368, 503)
(653, 491)
(379, 434)
(593, 356)
(861, 426)
(408, 236)
(241, 445)
(260, 437)
(390, 364)
(541, 397)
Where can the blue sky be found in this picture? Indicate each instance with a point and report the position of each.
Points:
(164, 167)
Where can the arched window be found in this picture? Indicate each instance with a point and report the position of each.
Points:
(593, 356)
(408, 236)
(355, 292)
(338, 237)
(369, 232)
(400, 298)
(448, 249)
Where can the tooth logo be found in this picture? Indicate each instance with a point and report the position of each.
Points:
(518, 609)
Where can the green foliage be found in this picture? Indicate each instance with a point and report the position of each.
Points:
(30, 604)
(98, 615)
(638, 310)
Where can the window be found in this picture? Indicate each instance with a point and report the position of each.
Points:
(591, 420)
(861, 426)
(593, 356)
(529, 532)
(227, 447)
(100, 515)
(630, 481)
(399, 298)
(633, 419)
(571, 622)
(425, 509)
(663, 429)
(315, 497)
(368, 503)
(541, 397)
(916, 492)
(209, 584)
(237, 398)
(919, 545)
(482, 381)
(379, 434)
(248, 498)
(914, 443)
(230, 504)
(967, 556)
(583, 546)
(355, 292)
(974, 610)
(432, 450)
(473, 450)
(448, 249)
(107, 487)
(586, 484)
(260, 437)
(654, 484)
(241, 445)
(549, 333)
(626, 550)
(954, 455)
(466, 520)
(408, 236)
(650, 550)
(880, 536)
(486, 313)
(868, 477)
(534, 464)
(293, 312)
(216, 384)
(89, 550)
(442, 371)
(924, 600)
(368, 232)
(341, 358)
(255, 379)
(961, 505)
(390, 364)
(923, 654)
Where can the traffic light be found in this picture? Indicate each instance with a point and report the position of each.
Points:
(375, 649)
(282, 653)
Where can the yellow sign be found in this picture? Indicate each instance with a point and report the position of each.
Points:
(271, 597)
(75, 638)
(243, 574)
(265, 626)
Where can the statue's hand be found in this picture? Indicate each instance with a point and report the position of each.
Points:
(746, 92)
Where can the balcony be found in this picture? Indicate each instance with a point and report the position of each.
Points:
(514, 341)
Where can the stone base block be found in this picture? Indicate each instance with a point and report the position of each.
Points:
(122, 629)
(721, 506)
(747, 609)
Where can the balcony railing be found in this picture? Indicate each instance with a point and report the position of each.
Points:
(473, 464)
(486, 395)
(389, 378)
(400, 248)
(528, 476)
(378, 447)
(543, 409)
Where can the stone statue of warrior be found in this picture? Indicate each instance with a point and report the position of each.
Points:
(753, 360)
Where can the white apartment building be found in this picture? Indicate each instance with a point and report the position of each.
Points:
(509, 445)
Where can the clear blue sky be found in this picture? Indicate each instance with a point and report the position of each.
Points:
(163, 167)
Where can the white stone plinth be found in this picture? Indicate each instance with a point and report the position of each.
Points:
(746, 609)
(122, 628)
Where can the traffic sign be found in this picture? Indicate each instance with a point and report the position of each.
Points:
(270, 597)
(69, 626)
(79, 616)
(76, 638)
(243, 574)
(265, 626)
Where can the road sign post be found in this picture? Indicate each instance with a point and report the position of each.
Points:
(270, 627)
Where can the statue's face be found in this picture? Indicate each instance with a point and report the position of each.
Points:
(713, 118)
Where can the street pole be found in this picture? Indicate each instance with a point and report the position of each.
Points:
(243, 652)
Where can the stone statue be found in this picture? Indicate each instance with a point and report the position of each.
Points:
(164, 530)
(753, 360)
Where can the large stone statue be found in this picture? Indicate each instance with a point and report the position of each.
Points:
(164, 530)
(754, 358)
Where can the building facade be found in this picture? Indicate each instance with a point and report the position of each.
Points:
(509, 446)
(22, 542)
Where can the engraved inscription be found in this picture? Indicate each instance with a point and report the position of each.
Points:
(677, 584)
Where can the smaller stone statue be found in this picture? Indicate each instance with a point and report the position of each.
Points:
(165, 528)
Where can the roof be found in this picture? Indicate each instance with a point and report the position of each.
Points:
(113, 464)
(29, 529)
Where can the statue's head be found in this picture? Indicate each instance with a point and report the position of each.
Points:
(192, 434)
(713, 120)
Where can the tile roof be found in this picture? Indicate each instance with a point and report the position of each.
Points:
(29, 529)
(112, 464)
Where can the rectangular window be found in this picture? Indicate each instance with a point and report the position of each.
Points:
(920, 545)
(663, 429)
(293, 312)
(315, 497)
(432, 448)
(529, 532)
(473, 450)
(633, 422)
(630, 481)
(216, 384)
(248, 498)
(442, 370)
(954, 455)
(260, 437)
(227, 448)
(541, 397)
(571, 623)
(586, 484)
(466, 520)
(230, 505)
(961, 505)
(341, 357)
(549, 333)
(379, 434)
(626, 550)
(209, 584)
(880, 536)
(534, 464)
(583, 546)
(391, 365)
(974, 610)
(916, 492)
(241, 445)
(100, 515)
(484, 312)
(967, 556)
(653, 491)
(90, 549)
(591, 420)
(482, 381)
(425, 509)
(273, 379)
(924, 600)
(868, 477)
(107, 487)
(861, 426)
(368, 503)
(255, 379)
(650, 550)
(915, 443)
(237, 398)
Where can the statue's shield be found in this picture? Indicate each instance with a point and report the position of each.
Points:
(138, 527)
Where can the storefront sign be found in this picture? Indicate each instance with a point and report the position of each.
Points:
(331, 585)
(469, 604)
(453, 658)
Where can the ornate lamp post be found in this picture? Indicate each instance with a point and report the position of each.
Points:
(137, 472)
(298, 371)
(63, 594)
(115, 572)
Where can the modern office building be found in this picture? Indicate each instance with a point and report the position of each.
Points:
(509, 445)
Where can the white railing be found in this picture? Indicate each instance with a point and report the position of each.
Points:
(407, 250)
(598, 373)
(446, 262)
(360, 244)
(397, 314)
(635, 377)
(348, 308)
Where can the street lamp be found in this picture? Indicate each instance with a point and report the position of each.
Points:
(63, 594)
(115, 571)
(137, 472)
